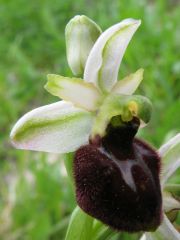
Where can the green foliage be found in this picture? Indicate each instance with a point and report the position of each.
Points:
(80, 226)
(35, 197)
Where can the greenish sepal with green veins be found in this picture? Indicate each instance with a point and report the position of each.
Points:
(59, 128)
(31, 127)
(81, 33)
(125, 106)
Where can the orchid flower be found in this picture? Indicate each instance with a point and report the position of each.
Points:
(170, 153)
(64, 126)
(97, 119)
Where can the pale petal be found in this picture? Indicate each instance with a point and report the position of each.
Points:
(129, 84)
(169, 145)
(143, 237)
(152, 236)
(59, 127)
(103, 62)
(170, 203)
(170, 153)
(75, 90)
(166, 231)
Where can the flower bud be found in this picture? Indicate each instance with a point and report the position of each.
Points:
(81, 33)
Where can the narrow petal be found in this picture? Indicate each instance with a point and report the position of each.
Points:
(149, 236)
(169, 145)
(170, 203)
(129, 84)
(75, 90)
(59, 127)
(170, 153)
(143, 237)
(166, 231)
(103, 63)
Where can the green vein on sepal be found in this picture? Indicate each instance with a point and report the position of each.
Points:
(33, 124)
(59, 127)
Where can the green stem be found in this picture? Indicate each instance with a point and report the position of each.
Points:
(68, 162)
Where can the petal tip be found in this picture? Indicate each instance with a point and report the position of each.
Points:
(137, 21)
(140, 72)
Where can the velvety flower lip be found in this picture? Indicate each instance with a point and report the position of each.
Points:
(117, 180)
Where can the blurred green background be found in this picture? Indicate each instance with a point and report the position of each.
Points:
(36, 198)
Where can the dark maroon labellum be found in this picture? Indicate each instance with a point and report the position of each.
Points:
(117, 180)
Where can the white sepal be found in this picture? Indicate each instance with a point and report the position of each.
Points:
(58, 128)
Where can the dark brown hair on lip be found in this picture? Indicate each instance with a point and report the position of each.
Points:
(117, 180)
